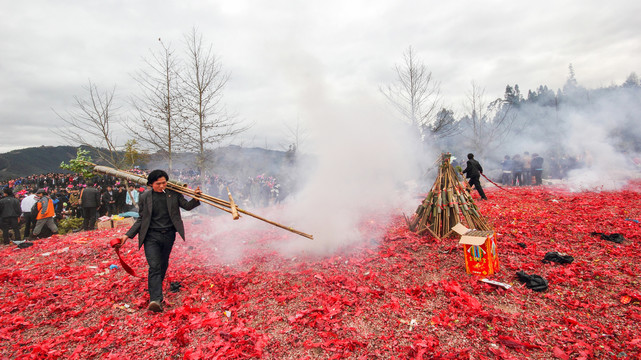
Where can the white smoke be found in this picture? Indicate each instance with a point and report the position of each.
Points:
(364, 161)
(361, 165)
(605, 166)
(599, 129)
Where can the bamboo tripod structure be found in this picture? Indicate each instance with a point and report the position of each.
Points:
(447, 204)
(227, 206)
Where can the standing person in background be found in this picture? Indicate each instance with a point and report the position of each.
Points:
(26, 205)
(120, 197)
(159, 221)
(89, 200)
(131, 200)
(108, 201)
(507, 166)
(45, 213)
(473, 171)
(62, 204)
(74, 203)
(517, 170)
(537, 168)
(527, 170)
(9, 215)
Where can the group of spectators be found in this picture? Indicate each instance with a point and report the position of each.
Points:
(522, 170)
(255, 191)
(519, 170)
(37, 203)
(36, 210)
(40, 202)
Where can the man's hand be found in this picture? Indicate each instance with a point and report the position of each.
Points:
(198, 192)
(123, 240)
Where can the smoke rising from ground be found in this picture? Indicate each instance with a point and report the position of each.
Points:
(361, 169)
(604, 167)
(595, 132)
(363, 162)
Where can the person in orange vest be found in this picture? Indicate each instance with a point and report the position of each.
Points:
(45, 213)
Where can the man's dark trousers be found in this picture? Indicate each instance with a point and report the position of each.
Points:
(89, 218)
(10, 222)
(158, 245)
(29, 224)
(474, 181)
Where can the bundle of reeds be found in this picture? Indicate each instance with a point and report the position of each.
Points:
(447, 204)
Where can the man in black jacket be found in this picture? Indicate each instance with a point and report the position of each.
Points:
(90, 201)
(159, 221)
(473, 172)
(109, 201)
(120, 197)
(9, 213)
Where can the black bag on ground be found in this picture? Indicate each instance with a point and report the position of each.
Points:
(534, 282)
(25, 244)
(616, 237)
(557, 257)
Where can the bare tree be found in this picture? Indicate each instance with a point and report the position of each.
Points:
(295, 136)
(159, 102)
(444, 124)
(206, 121)
(90, 124)
(475, 117)
(416, 95)
(486, 125)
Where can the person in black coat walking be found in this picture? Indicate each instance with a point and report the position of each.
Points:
(156, 227)
(473, 171)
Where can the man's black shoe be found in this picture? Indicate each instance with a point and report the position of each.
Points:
(154, 306)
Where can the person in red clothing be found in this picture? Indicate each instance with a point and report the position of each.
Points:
(45, 213)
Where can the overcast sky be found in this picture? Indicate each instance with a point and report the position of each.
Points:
(282, 52)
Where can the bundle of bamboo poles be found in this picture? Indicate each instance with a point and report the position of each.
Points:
(227, 206)
(447, 204)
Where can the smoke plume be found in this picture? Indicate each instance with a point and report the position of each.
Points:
(364, 162)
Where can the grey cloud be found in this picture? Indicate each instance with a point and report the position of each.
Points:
(275, 51)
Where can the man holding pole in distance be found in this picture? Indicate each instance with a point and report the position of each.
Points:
(473, 172)
(159, 220)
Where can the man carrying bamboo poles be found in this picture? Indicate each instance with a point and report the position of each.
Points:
(473, 172)
(156, 227)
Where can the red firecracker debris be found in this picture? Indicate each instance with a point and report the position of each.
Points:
(394, 295)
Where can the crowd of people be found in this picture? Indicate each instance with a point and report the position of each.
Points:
(254, 191)
(32, 206)
(526, 169)
(523, 170)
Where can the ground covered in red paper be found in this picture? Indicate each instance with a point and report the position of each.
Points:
(397, 296)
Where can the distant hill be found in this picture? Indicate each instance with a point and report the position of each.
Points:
(35, 160)
(232, 161)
